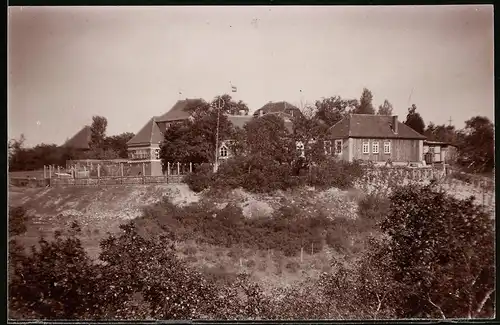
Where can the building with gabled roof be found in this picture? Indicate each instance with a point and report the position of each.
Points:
(376, 138)
(81, 140)
(283, 109)
(145, 145)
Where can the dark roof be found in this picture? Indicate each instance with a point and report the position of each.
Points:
(178, 111)
(149, 134)
(372, 126)
(80, 140)
(278, 107)
(438, 143)
(239, 120)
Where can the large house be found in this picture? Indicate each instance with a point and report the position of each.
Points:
(376, 138)
(144, 147)
(80, 141)
(282, 109)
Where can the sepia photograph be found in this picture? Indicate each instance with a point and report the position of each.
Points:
(250, 163)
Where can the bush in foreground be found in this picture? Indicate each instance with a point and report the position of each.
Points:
(434, 259)
(442, 254)
(258, 175)
(17, 221)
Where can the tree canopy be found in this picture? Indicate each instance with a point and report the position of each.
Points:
(476, 148)
(414, 120)
(365, 103)
(332, 109)
(194, 140)
(98, 132)
(385, 108)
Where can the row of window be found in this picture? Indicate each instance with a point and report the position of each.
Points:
(375, 147)
(144, 154)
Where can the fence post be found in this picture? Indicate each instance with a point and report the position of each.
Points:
(121, 173)
(50, 171)
(190, 167)
(301, 254)
(98, 173)
(44, 172)
(178, 169)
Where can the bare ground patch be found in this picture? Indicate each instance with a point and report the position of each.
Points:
(98, 210)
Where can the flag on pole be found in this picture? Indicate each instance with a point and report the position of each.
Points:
(234, 89)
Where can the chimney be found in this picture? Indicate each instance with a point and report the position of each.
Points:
(395, 124)
(261, 112)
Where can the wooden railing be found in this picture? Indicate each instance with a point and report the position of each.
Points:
(115, 180)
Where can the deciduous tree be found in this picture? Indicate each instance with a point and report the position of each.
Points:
(333, 109)
(118, 143)
(365, 103)
(98, 132)
(194, 140)
(385, 108)
(441, 254)
(476, 149)
(414, 120)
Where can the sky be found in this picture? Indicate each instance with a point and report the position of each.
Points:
(66, 64)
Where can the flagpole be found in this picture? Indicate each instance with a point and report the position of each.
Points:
(218, 105)
(216, 166)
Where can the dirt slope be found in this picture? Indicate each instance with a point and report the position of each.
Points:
(97, 209)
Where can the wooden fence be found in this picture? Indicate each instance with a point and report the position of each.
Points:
(116, 180)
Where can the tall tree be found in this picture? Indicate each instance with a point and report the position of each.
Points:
(194, 140)
(385, 108)
(332, 109)
(98, 132)
(268, 139)
(310, 131)
(476, 149)
(414, 120)
(365, 103)
(443, 133)
(229, 106)
(118, 143)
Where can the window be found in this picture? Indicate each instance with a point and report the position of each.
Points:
(223, 151)
(366, 147)
(157, 153)
(299, 145)
(375, 147)
(328, 148)
(387, 147)
(338, 147)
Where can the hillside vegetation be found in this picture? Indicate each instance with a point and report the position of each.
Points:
(296, 253)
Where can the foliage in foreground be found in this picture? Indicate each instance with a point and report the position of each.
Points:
(286, 230)
(258, 175)
(435, 259)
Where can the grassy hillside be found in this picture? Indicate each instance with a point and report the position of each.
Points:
(97, 209)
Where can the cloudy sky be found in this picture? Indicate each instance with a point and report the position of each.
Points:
(67, 64)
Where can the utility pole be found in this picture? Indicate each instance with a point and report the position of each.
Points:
(218, 105)
(449, 121)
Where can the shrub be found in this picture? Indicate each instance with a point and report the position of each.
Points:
(372, 209)
(201, 179)
(17, 221)
(464, 177)
(332, 173)
(56, 281)
(292, 266)
(440, 245)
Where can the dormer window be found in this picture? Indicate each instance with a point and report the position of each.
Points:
(223, 151)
